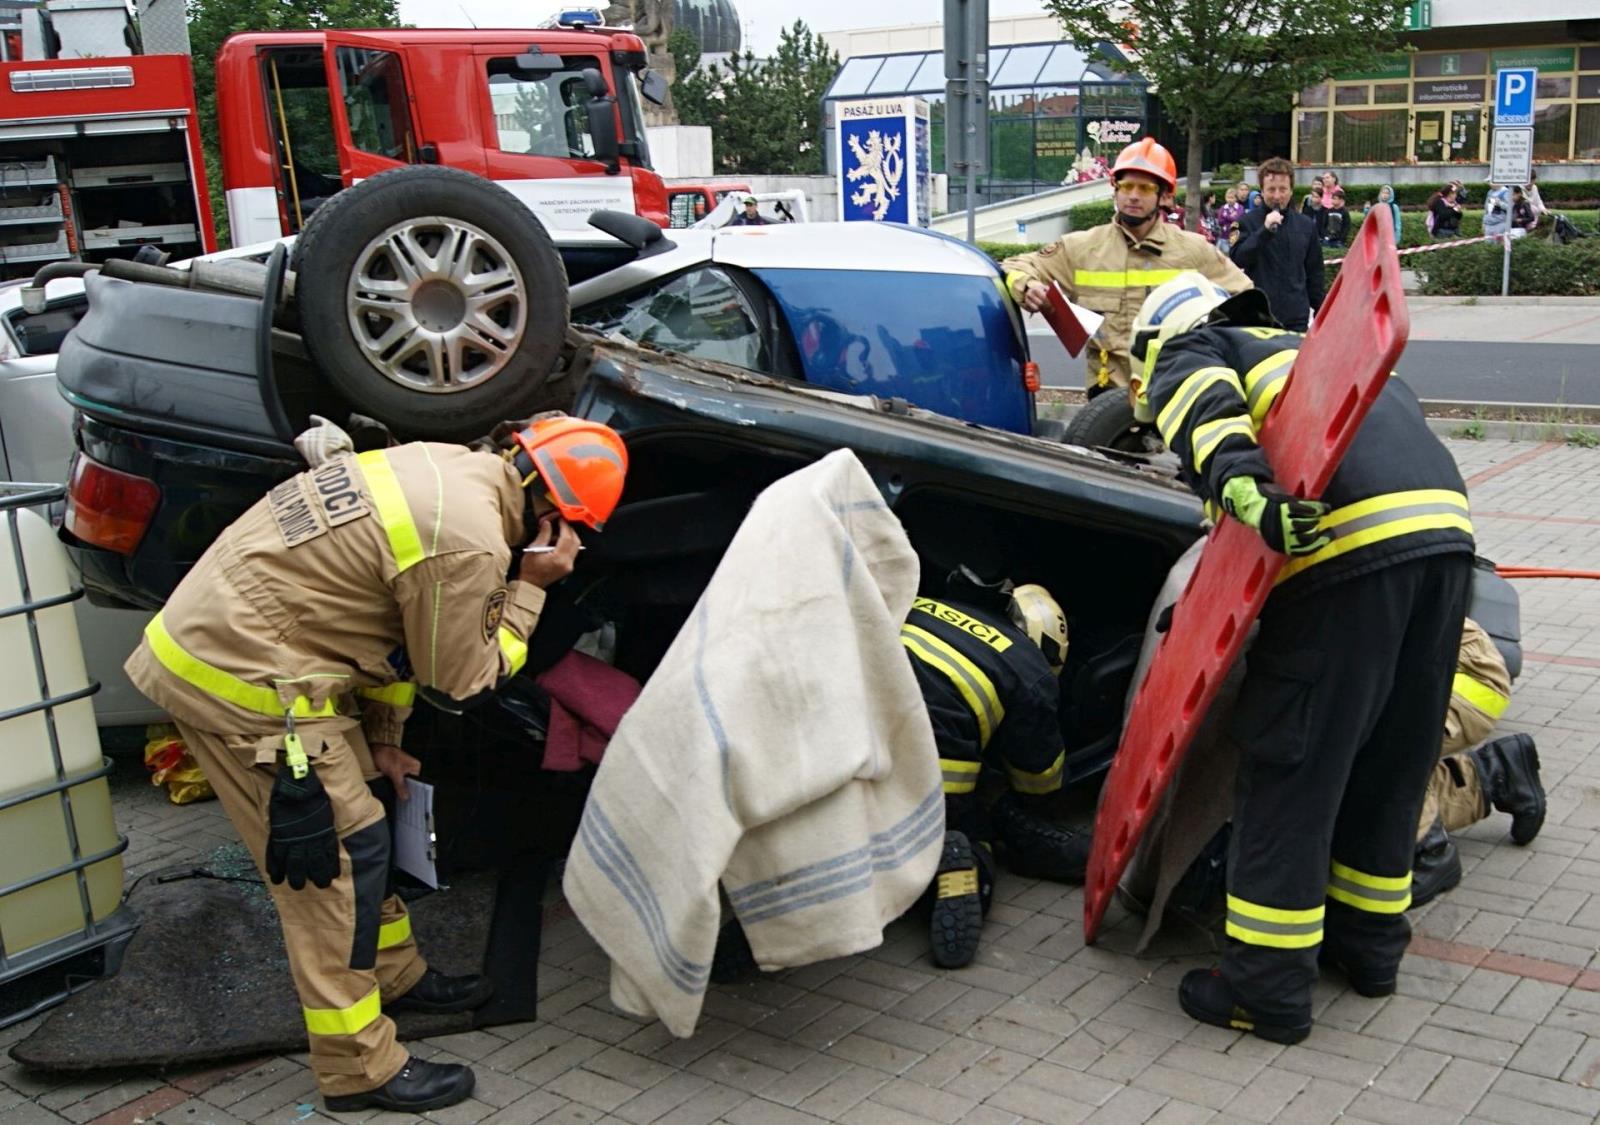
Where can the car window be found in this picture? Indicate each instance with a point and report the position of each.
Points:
(700, 313)
(542, 113)
(42, 333)
(375, 102)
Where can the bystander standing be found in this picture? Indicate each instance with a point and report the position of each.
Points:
(1278, 249)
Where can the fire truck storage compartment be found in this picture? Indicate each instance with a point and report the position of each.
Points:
(96, 196)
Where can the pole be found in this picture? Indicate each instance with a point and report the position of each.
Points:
(1505, 269)
(972, 118)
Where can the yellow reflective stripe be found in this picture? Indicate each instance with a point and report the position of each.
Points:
(514, 649)
(968, 678)
(1209, 435)
(1385, 517)
(1016, 281)
(1375, 894)
(1047, 780)
(1264, 382)
(214, 681)
(344, 1021)
(1266, 925)
(393, 511)
(398, 932)
(1189, 391)
(954, 884)
(402, 694)
(1480, 695)
(959, 775)
(1123, 279)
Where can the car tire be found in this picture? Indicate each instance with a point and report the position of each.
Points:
(433, 300)
(1107, 422)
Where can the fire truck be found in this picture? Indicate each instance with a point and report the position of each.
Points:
(100, 148)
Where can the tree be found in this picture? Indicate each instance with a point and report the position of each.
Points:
(1219, 64)
(766, 113)
(212, 21)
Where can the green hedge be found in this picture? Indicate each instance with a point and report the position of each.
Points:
(1539, 267)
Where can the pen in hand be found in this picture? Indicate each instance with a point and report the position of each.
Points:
(543, 550)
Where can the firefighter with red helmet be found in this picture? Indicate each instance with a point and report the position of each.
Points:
(289, 658)
(1112, 268)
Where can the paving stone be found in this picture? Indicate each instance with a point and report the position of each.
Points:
(1040, 1105)
(1267, 1095)
(1211, 1092)
(1321, 1101)
(662, 1098)
(1460, 1084)
(921, 1102)
(757, 1111)
(846, 1090)
(993, 1072)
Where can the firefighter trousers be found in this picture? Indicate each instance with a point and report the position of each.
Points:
(1338, 728)
(349, 944)
(1455, 795)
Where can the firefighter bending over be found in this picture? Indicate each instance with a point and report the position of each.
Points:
(1339, 716)
(290, 656)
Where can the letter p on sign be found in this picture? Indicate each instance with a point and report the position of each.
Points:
(1513, 97)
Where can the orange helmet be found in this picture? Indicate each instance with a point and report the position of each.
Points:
(1144, 155)
(582, 464)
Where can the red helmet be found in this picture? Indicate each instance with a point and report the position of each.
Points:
(1145, 155)
(581, 463)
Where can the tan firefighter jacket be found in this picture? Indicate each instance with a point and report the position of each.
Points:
(1107, 270)
(1480, 693)
(342, 591)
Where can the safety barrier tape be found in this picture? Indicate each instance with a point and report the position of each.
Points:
(1433, 246)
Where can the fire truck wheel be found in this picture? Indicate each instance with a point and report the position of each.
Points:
(1107, 422)
(433, 300)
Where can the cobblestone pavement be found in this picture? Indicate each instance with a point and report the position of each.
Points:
(1497, 1017)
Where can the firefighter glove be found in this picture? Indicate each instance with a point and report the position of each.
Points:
(1289, 525)
(301, 844)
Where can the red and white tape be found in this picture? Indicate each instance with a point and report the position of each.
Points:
(1433, 246)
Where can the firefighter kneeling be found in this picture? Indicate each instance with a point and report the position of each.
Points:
(289, 658)
(989, 679)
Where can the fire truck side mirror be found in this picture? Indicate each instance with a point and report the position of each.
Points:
(653, 87)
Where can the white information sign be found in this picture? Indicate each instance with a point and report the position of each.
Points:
(1511, 158)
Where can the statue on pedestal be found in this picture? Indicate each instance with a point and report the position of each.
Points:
(651, 20)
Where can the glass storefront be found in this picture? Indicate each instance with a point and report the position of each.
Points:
(1435, 107)
(1051, 110)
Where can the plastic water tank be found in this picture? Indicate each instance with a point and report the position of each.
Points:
(60, 854)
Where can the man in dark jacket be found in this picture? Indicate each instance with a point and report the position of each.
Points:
(1279, 249)
(1338, 720)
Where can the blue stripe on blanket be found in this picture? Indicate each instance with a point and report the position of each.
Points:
(844, 874)
(718, 734)
(616, 862)
(847, 567)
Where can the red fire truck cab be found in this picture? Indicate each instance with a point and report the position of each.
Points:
(553, 115)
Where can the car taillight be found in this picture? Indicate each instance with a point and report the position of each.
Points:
(1030, 377)
(107, 508)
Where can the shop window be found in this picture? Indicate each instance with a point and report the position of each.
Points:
(1372, 136)
(1350, 95)
(1588, 142)
(1011, 151)
(1554, 88)
(1552, 125)
(1391, 93)
(1589, 58)
(1314, 95)
(1312, 130)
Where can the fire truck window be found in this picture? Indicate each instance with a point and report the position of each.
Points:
(542, 113)
(375, 102)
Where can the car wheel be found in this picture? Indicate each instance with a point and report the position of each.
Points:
(433, 300)
(1107, 422)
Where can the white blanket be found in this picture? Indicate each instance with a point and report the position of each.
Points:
(782, 748)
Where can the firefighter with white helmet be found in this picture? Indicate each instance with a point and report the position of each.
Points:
(290, 656)
(1348, 679)
(988, 665)
(1112, 267)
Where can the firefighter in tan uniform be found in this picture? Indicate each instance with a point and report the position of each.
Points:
(1467, 783)
(1113, 267)
(289, 658)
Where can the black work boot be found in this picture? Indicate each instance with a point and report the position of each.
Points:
(437, 993)
(1037, 848)
(1435, 866)
(1365, 981)
(419, 1086)
(1508, 770)
(1207, 997)
(957, 920)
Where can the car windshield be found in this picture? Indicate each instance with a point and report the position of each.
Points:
(941, 341)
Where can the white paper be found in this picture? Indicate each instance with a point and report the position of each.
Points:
(1090, 319)
(413, 833)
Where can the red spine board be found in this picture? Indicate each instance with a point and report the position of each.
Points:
(1360, 332)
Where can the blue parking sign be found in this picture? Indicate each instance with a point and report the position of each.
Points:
(1513, 96)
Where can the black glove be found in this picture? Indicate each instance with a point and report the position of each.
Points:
(301, 843)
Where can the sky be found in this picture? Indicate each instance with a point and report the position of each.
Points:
(762, 19)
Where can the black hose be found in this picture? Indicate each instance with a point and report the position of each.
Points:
(138, 271)
(57, 270)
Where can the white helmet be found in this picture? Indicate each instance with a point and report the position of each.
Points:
(1171, 308)
(1037, 614)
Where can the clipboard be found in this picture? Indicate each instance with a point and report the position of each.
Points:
(415, 844)
(1072, 323)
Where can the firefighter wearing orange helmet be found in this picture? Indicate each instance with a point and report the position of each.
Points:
(290, 656)
(1112, 268)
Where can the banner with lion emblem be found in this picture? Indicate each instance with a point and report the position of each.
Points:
(883, 160)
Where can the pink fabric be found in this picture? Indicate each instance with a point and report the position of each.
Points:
(587, 700)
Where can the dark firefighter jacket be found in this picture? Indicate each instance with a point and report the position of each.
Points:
(988, 688)
(1397, 494)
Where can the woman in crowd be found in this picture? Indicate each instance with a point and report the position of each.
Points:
(1386, 199)
(1445, 211)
